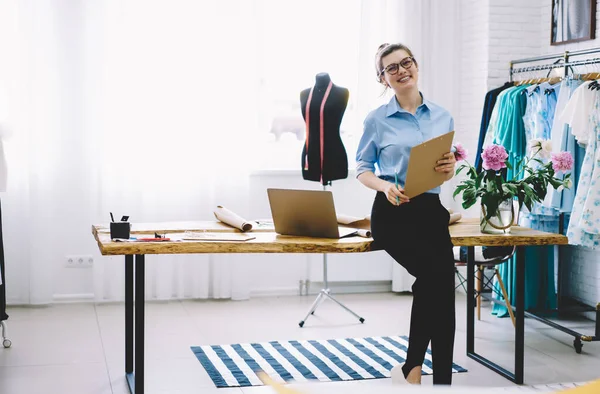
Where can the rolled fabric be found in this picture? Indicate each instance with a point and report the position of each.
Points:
(233, 219)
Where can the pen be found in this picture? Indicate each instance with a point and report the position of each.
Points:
(396, 177)
(112, 217)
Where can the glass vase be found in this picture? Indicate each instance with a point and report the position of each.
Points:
(500, 222)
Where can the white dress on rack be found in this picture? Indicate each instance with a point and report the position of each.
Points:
(582, 113)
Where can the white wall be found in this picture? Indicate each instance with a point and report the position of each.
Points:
(514, 34)
(473, 73)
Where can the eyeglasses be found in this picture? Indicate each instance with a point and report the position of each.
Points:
(393, 68)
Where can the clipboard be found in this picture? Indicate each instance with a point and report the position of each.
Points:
(421, 175)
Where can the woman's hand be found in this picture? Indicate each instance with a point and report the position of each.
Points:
(391, 192)
(446, 164)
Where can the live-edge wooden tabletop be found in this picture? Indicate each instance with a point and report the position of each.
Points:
(464, 233)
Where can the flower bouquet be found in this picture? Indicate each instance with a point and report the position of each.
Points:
(529, 185)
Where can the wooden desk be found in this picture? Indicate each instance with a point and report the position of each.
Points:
(464, 233)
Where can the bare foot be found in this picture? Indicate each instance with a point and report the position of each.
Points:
(414, 376)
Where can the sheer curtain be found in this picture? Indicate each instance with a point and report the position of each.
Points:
(160, 110)
(140, 108)
(175, 125)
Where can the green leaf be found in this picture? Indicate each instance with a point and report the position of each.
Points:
(479, 179)
(555, 183)
(460, 168)
(499, 185)
(511, 188)
(469, 194)
(528, 203)
(472, 173)
(459, 189)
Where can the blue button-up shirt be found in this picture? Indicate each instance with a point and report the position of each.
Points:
(390, 132)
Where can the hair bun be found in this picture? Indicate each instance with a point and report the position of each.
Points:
(382, 46)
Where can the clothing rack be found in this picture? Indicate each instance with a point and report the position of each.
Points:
(564, 60)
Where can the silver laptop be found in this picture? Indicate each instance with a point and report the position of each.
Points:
(308, 213)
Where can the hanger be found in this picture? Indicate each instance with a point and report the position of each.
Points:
(593, 76)
(590, 76)
(554, 80)
(529, 79)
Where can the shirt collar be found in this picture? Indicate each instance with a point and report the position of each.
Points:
(394, 107)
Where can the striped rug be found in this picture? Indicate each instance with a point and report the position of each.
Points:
(323, 360)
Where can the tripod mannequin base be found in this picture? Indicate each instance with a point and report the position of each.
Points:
(323, 294)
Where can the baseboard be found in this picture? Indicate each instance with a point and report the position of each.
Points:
(275, 292)
(56, 299)
(382, 286)
(379, 286)
(71, 298)
(350, 287)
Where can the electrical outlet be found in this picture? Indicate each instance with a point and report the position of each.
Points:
(79, 261)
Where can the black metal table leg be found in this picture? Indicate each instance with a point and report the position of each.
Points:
(470, 300)
(134, 323)
(520, 317)
(517, 377)
(129, 314)
(140, 290)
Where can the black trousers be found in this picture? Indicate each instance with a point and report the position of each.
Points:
(416, 235)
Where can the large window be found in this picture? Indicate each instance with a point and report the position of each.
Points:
(296, 41)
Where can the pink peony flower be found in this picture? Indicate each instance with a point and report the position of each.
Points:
(494, 157)
(460, 153)
(562, 161)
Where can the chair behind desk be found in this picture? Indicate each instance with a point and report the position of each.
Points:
(482, 263)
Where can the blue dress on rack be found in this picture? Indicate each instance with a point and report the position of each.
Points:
(563, 200)
(512, 133)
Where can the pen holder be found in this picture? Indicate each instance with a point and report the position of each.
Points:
(120, 230)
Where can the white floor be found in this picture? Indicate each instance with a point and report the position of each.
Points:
(79, 348)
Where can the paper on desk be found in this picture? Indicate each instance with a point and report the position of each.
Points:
(234, 220)
(356, 222)
(212, 236)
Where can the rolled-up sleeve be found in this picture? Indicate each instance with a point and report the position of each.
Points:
(367, 153)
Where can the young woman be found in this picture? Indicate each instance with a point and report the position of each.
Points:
(413, 231)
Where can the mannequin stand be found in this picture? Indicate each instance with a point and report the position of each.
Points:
(5, 341)
(326, 293)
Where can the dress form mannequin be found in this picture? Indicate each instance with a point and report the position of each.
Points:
(324, 157)
(327, 161)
